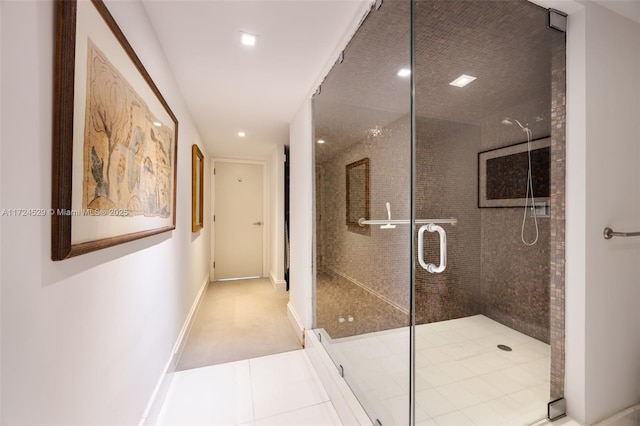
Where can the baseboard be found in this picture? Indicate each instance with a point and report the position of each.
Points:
(186, 327)
(344, 401)
(295, 322)
(159, 394)
(280, 285)
(625, 417)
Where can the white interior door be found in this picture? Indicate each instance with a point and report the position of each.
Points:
(239, 222)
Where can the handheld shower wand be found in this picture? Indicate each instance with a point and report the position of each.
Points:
(527, 131)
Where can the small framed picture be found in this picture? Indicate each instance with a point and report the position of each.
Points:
(503, 174)
(197, 189)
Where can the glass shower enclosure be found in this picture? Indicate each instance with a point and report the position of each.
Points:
(433, 207)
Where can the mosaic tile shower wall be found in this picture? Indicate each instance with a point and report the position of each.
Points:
(514, 283)
(376, 262)
(446, 187)
(490, 270)
(558, 204)
(485, 273)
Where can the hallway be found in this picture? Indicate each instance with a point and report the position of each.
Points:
(242, 363)
(238, 320)
(93, 339)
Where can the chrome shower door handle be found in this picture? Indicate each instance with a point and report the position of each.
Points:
(430, 267)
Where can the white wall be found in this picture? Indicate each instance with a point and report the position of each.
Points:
(0, 220)
(612, 378)
(575, 226)
(301, 214)
(84, 340)
(603, 188)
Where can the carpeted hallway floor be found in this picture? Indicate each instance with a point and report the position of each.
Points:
(239, 320)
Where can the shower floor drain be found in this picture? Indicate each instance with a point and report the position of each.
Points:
(504, 348)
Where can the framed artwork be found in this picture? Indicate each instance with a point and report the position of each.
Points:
(503, 174)
(357, 193)
(197, 189)
(114, 138)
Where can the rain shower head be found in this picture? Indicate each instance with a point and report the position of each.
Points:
(509, 122)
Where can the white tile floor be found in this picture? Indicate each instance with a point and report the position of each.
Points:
(462, 378)
(281, 389)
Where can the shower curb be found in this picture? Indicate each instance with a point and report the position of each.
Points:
(344, 401)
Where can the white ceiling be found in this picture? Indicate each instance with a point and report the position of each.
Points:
(229, 87)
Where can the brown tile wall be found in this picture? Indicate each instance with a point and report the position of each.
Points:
(515, 277)
(337, 297)
(514, 283)
(378, 259)
(446, 187)
(558, 203)
(489, 270)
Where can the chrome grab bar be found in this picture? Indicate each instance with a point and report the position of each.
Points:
(362, 221)
(390, 223)
(430, 267)
(610, 233)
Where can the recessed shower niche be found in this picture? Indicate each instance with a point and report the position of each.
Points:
(433, 279)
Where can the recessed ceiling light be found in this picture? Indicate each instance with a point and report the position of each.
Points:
(248, 39)
(404, 72)
(157, 124)
(242, 134)
(320, 141)
(462, 81)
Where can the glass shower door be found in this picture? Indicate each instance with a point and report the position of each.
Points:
(362, 126)
(482, 137)
(434, 140)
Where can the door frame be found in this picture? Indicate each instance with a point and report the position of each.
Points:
(265, 209)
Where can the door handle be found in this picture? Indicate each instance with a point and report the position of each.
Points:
(258, 223)
(430, 267)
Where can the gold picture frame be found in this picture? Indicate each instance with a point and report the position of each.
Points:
(197, 189)
(115, 138)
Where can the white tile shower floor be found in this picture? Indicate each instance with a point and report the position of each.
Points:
(462, 378)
